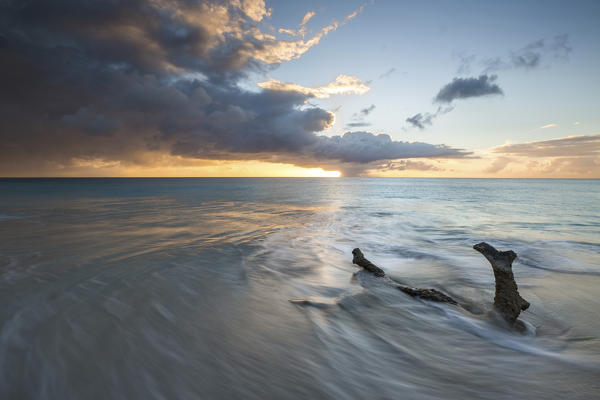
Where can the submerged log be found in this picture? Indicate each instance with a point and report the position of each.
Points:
(507, 300)
(426, 294)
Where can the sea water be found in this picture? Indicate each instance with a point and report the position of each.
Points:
(181, 289)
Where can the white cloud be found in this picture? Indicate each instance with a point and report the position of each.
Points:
(274, 51)
(343, 84)
(307, 17)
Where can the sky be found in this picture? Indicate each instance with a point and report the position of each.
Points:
(307, 88)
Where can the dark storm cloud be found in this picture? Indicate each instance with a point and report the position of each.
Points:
(117, 80)
(365, 147)
(88, 121)
(464, 88)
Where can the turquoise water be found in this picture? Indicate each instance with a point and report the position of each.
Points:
(180, 288)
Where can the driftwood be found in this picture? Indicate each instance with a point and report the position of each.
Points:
(507, 301)
(426, 294)
(360, 260)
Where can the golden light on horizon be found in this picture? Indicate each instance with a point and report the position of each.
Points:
(175, 166)
(321, 173)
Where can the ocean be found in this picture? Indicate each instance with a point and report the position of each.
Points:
(181, 289)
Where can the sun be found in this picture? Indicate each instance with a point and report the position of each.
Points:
(321, 173)
(331, 174)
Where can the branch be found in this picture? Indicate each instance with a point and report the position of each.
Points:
(426, 294)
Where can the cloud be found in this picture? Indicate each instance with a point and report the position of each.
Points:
(358, 118)
(343, 84)
(405, 165)
(88, 121)
(365, 111)
(360, 124)
(387, 73)
(272, 51)
(529, 57)
(420, 120)
(498, 165)
(464, 88)
(568, 157)
(465, 62)
(532, 55)
(307, 17)
(255, 9)
(302, 30)
(365, 147)
(571, 146)
(548, 126)
(146, 83)
(352, 153)
(571, 166)
(459, 88)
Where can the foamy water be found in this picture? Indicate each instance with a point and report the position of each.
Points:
(160, 289)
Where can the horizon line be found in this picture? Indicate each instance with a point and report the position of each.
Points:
(282, 177)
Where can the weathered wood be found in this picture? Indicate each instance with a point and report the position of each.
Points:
(360, 260)
(426, 294)
(507, 300)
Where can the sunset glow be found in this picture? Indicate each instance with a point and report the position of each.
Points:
(269, 88)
